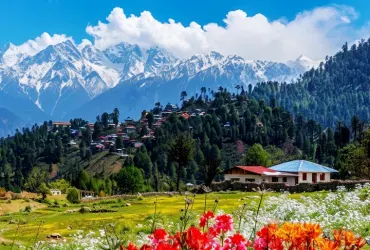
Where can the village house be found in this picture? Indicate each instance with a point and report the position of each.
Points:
(129, 129)
(61, 124)
(129, 120)
(55, 192)
(308, 172)
(259, 174)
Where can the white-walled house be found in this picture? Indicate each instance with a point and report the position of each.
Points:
(259, 174)
(55, 191)
(308, 172)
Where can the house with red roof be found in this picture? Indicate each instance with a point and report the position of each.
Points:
(259, 174)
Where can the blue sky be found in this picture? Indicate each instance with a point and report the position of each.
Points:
(21, 20)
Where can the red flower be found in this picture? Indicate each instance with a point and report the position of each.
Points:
(267, 238)
(131, 247)
(160, 234)
(236, 242)
(205, 218)
(196, 240)
(146, 247)
(224, 223)
(166, 246)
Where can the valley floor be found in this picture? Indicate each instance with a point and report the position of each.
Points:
(133, 217)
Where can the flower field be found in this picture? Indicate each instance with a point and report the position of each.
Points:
(326, 220)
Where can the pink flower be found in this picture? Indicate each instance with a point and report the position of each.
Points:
(259, 244)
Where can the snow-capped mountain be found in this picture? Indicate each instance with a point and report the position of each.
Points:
(303, 63)
(11, 55)
(65, 76)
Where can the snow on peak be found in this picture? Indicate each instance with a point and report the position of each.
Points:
(12, 55)
(64, 68)
(303, 63)
(303, 58)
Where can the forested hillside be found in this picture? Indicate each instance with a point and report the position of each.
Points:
(170, 147)
(337, 90)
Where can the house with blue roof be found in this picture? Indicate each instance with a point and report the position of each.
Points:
(308, 172)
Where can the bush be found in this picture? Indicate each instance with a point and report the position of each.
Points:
(2, 192)
(60, 184)
(28, 209)
(101, 193)
(16, 196)
(85, 210)
(364, 194)
(73, 195)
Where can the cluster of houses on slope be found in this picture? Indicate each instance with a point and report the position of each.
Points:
(127, 128)
(291, 173)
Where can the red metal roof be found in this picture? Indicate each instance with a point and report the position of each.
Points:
(256, 169)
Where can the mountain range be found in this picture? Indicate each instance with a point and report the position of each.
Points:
(68, 80)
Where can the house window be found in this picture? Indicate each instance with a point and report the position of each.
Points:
(234, 179)
(322, 177)
(285, 179)
(304, 176)
(275, 179)
(250, 180)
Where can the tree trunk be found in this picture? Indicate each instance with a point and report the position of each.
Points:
(178, 178)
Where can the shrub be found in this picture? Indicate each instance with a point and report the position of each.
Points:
(16, 196)
(73, 195)
(28, 209)
(364, 194)
(101, 193)
(85, 210)
(2, 192)
(60, 184)
(139, 197)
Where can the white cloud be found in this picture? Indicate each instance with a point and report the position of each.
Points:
(315, 33)
(32, 47)
(84, 43)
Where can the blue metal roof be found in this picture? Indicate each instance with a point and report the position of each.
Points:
(302, 166)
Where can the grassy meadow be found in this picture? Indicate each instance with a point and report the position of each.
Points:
(27, 228)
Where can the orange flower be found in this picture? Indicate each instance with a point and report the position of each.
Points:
(328, 245)
(313, 231)
(338, 236)
(360, 243)
(349, 238)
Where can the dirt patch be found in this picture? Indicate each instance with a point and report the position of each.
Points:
(54, 171)
(17, 205)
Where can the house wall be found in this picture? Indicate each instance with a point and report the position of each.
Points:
(258, 179)
(242, 177)
(309, 178)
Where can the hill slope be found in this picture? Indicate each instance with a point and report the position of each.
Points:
(337, 90)
(9, 122)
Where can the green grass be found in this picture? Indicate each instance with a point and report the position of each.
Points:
(56, 220)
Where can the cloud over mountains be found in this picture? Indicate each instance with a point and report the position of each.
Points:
(315, 33)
